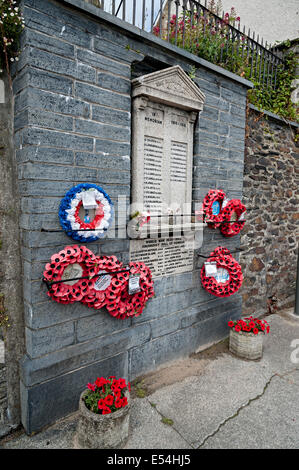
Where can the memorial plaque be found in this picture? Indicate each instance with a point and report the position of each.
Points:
(165, 106)
(163, 256)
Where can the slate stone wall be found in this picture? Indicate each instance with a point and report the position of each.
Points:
(271, 193)
(73, 125)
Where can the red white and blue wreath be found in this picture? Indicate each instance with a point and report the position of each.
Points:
(86, 197)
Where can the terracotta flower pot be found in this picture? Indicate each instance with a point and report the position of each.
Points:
(246, 345)
(97, 431)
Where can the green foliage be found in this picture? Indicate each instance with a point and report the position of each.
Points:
(140, 390)
(11, 26)
(277, 101)
(167, 421)
(210, 38)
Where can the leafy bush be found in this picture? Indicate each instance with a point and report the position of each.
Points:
(11, 26)
(211, 38)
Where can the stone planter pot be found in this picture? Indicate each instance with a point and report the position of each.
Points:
(109, 431)
(246, 345)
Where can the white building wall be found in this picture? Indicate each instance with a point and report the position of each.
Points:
(274, 20)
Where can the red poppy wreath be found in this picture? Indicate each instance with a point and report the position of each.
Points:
(63, 271)
(212, 205)
(109, 283)
(132, 305)
(77, 274)
(233, 211)
(228, 277)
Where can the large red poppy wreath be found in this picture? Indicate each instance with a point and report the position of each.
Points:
(228, 279)
(76, 274)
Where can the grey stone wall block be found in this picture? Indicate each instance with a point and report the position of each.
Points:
(220, 103)
(234, 120)
(164, 285)
(123, 54)
(209, 113)
(43, 137)
(110, 116)
(40, 205)
(44, 80)
(94, 94)
(46, 155)
(203, 137)
(48, 61)
(58, 103)
(112, 82)
(99, 324)
(213, 126)
(47, 43)
(113, 148)
(104, 131)
(233, 97)
(94, 160)
(103, 63)
(43, 188)
(208, 86)
(166, 325)
(55, 26)
(54, 172)
(37, 117)
(86, 73)
(46, 340)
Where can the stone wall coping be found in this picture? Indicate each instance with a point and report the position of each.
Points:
(274, 116)
(88, 8)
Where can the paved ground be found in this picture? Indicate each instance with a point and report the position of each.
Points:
(213, 400)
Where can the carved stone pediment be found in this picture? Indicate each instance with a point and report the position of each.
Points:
(170, 86)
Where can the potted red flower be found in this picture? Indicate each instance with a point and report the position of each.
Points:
(246, 337)
(104, 414)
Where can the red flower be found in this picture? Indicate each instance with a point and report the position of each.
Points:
(124, 401)
(91, 387)
(109, 400)
(118, 403)
(237, 328)
(100, 382)
(115, 385)
(122, 383)
(268, 329)
(230, 323)
(106, 411)
(101, 404)
(255, 331)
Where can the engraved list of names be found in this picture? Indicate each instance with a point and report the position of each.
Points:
(165, 106)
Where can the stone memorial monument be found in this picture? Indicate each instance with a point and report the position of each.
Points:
(165, 107)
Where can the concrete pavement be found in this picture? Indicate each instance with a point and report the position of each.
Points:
(212, 400)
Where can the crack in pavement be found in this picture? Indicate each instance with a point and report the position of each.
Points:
(172, 426)
(238, 410)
